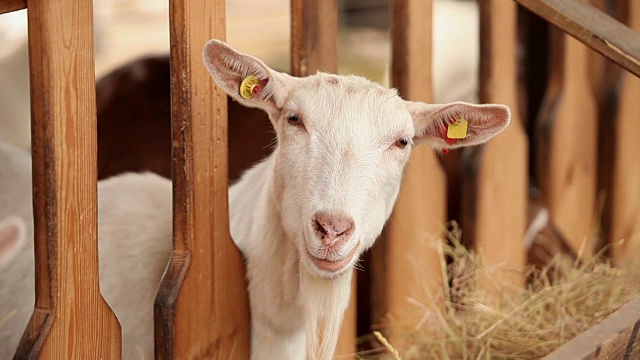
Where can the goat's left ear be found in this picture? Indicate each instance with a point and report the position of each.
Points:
(264, 88)
(432, 121)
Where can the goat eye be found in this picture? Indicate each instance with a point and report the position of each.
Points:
(402, 143)
(294, 120)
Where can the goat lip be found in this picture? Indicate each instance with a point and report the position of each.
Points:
(333, 266)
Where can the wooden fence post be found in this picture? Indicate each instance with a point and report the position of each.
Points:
(495, 174)
(406, 259)
(625, 210)
(314, 46)
(201, 309)
(567, 143)
(70, 314)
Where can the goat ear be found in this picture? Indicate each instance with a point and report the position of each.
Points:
(431, 122)
(229, 68)
(12, 237)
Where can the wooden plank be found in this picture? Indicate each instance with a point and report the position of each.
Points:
(71, 319)
(625, 207)
(314, 36)
(593, 28)
(616, 337)
(201, 309)
(411, 262)
(314, 47)
(606, 84)
(567, 143)
(494, 209)
(12, 5)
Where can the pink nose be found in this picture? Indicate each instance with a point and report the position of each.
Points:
(334, 229)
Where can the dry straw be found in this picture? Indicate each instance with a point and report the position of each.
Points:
(559, 302)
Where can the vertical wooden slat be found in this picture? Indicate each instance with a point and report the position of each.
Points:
(314, 47)
(201, 308)
(567, 143)
(12, 5)
(314, 36)
(606, 87)
(625, 210)
(411, 264)
(495, 174)
(71, 319)
(597, 63)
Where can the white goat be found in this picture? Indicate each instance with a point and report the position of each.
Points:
(303, 216)
(134, 232)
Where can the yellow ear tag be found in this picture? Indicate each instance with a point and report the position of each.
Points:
(249, 87)
(458, 130)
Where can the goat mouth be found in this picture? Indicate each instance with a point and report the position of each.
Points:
(330, 265)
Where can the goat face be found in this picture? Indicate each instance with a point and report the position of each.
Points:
(343, 142)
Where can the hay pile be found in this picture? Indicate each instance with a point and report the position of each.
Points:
(561, 301)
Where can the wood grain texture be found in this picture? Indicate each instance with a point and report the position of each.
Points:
(593, 28)
(314, 47)
(494, 209)
(201, 309)
(71, 320)
(616, 338)
(625, 207)
(411, 264)
(314, 36)
(567, 142)
(12, 5)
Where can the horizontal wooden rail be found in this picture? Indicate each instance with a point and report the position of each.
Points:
(592, 27)
(616, 337)
(7, 6)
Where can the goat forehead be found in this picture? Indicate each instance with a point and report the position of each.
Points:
(351, 106)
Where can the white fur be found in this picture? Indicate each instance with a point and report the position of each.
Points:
(343, 160)
(134, 239)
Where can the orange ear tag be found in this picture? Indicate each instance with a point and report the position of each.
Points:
(249, 87)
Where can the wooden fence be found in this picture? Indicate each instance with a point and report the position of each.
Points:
(201, 309)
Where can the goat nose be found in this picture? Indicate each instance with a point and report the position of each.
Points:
(333, 227)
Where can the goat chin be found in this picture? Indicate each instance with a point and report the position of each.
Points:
(324, 302)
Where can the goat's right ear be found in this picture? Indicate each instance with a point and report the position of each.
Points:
(12, 237)
(229, 68)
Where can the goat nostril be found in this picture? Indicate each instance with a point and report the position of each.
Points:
(330, 227)
(319, 228)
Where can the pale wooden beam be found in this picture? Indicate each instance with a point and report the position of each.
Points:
(592, 27)
(616, 337)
